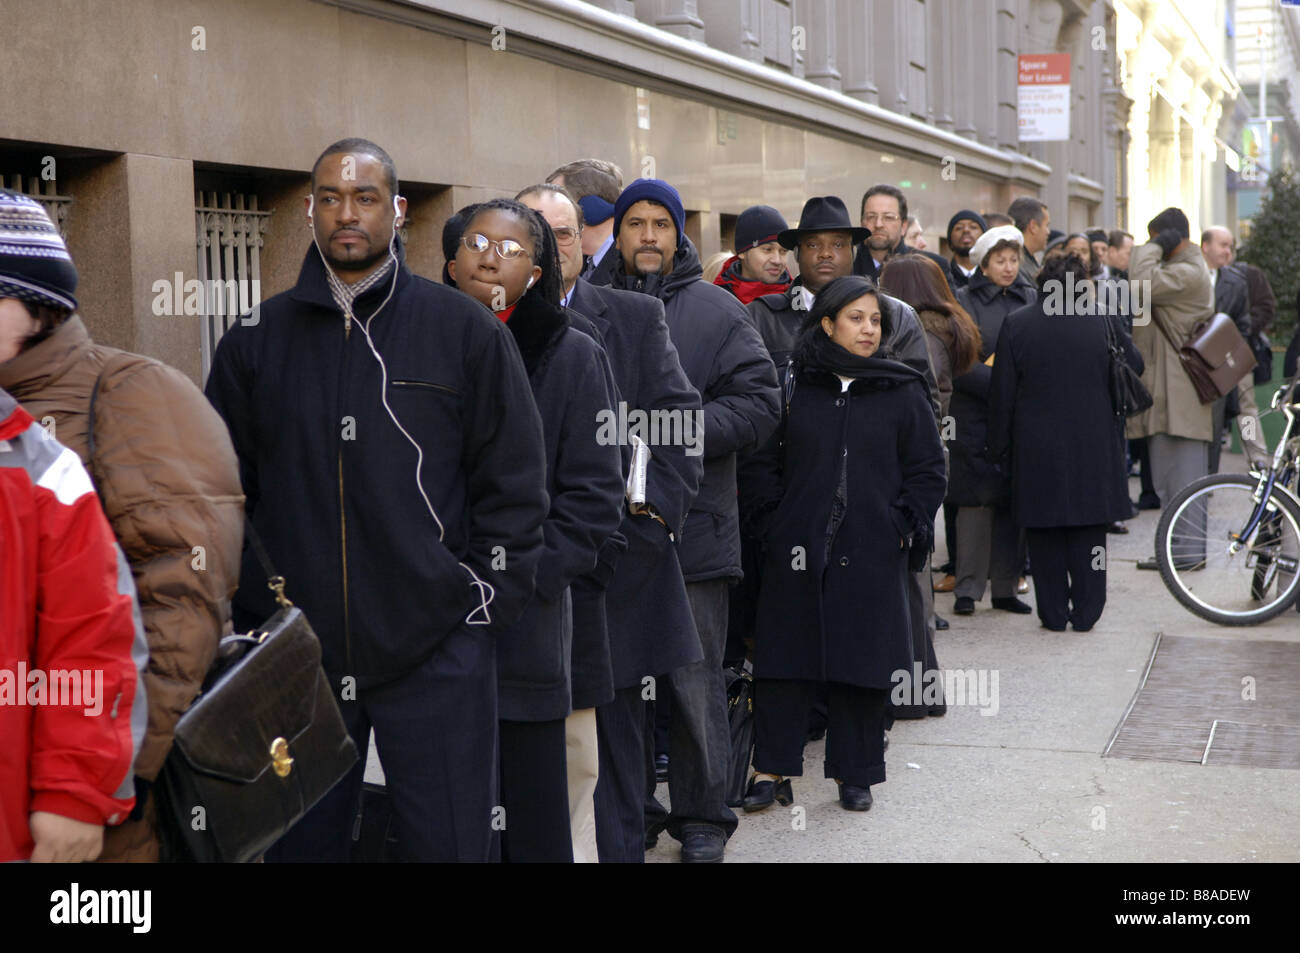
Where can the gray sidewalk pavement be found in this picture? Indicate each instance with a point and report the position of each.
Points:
(1029, 783)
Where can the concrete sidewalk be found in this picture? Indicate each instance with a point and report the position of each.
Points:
(1029, 782)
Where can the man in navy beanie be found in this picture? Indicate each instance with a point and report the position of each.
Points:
(725, 360)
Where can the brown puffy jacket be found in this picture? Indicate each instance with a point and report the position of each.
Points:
(169, 481)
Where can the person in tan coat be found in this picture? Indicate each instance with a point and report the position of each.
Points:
(168, 478)
(1179, 426)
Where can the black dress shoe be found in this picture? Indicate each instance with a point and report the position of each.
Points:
(940, 624)
(964, 605)
(1012, 604)
(855, 798)
(761, 794)
(938, 711)
(1117, 527)
(703, 845)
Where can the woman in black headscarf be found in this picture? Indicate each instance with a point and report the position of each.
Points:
(848, 486)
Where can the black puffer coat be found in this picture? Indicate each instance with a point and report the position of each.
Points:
(725, 360)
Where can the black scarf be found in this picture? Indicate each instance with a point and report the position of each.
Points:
(816, 351)
(536, 325)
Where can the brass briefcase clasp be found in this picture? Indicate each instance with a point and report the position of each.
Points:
(280, 759)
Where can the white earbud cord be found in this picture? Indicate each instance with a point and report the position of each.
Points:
(485, 590)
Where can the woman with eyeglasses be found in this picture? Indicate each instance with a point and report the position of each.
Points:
(507, 259)
(848, 488)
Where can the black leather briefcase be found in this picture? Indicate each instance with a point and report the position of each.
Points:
(262, 743)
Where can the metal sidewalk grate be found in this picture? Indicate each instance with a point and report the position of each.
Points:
(1215, 701)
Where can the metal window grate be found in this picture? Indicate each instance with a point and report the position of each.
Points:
(228, 239)
(44, 191)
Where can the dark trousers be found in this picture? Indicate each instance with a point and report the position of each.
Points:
(436, 733)
(699, 736)
(855, 730)
(1066, 586)
(920, 604)
(950, 532)
(1142, 454)
(535, 793)
(620, 786)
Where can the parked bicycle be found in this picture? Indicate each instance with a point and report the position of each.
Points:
(1229, 544)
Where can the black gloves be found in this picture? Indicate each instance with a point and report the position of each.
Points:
(1168, 240)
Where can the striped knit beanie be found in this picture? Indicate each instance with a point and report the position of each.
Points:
(34, 263)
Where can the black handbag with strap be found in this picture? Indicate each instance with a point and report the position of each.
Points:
(1128, 395)
(260, 745)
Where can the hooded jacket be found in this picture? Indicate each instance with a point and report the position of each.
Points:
(331, 479)
(168, 478)
(725, 361)
(67, 605)
(572, 385)
(745, 290)
(853, 478)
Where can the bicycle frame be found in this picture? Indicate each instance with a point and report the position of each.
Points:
(1268, 477)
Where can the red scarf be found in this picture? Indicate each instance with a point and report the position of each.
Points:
(745, 290)
(505, 315)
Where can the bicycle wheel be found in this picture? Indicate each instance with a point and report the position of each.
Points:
(1193, 547)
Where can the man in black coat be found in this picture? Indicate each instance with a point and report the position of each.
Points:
(1231, 297)
(884, 214)
(821, 243)
(725, 360)
(332, 391)
(631, 617)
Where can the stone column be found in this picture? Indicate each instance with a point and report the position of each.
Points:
(854, 28)
(681, 17)
(818, 18)
(733, 26)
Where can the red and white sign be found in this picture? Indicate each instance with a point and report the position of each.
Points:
(1044, 101)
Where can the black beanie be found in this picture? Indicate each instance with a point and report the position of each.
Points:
(757, 225)
(966, 214)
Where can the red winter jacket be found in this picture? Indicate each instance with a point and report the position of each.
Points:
(66, 743)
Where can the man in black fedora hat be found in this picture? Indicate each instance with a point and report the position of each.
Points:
(823, 245)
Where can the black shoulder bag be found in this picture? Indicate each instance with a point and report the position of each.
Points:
(1128, 395)
(260, 745)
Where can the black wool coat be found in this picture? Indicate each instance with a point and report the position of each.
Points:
(852, 476)
(725, 360)
(572, 383)
(973, 478)
(330, 480)
(1050, 417)
(631, 615)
